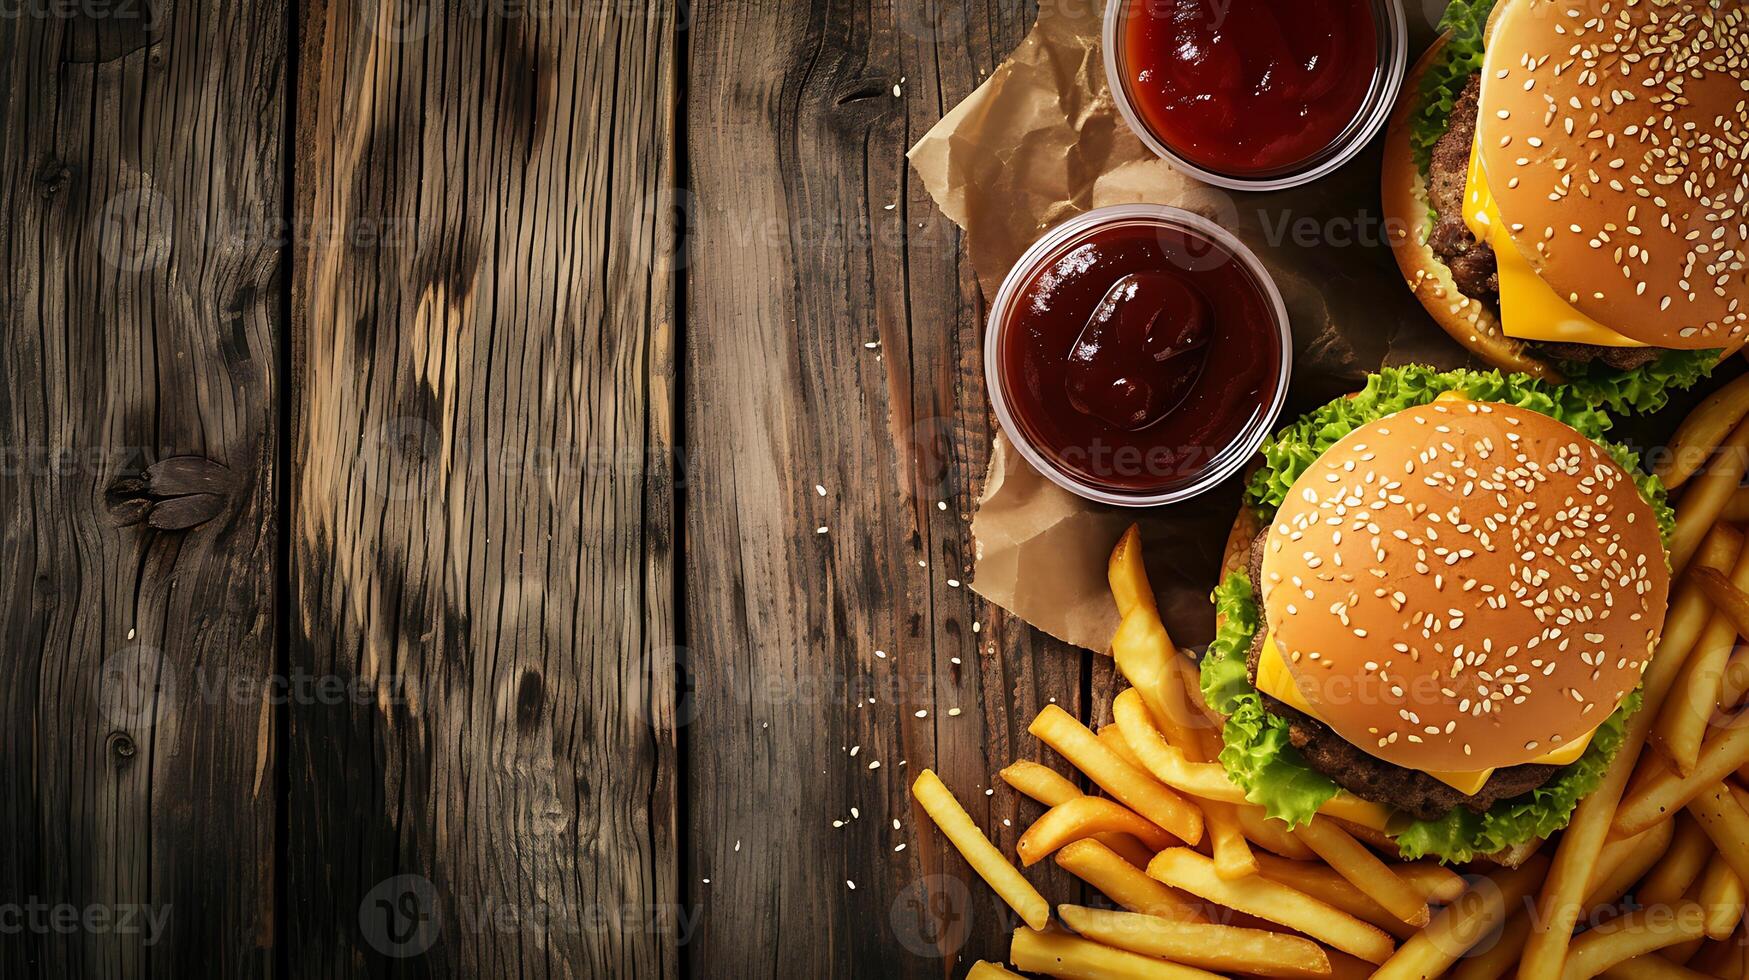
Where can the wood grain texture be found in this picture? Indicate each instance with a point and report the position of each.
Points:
(141, 178)
(481, 535)
(506, 736)
(809, 241)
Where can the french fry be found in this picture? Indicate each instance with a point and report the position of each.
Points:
(1142, 649)
(1185, 869)
(1113, 739)
(1190, 675)
(1723, 819)
(1040, 782)
(1634, 934)
(1685, 717)
(1705, 498)
(1124, 846)
(1680, 867)
(1469, 920)
(1515, 855)
(1113, 877)
(1651, 966)
(1351, 809)
(939, 802)
(1271, 835)
(1145, 656)
(1735, 684)
(1050, 787)
(1561, 901)
(985, 970)
(1726, 598)
(1737, 508)
(1436, 882)
(1624, 861)
(1663, 792)
(1705, 683)
(1135, 725)
(1721, 895)
(1722, 960)
(1058, 954)
(1233, 855)
(1131, 786)
(1683, 952)
(1345, 967)
(1320, 881)
(1501, 958)
(1363, 869)
(1734, 604)
(1225, 949)
(1702, 431)
(1167, 763)
(1128, 577)
(1372, 837)
(1083, 817)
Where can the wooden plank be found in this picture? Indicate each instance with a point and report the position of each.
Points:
(809, 241)
(481, 531)
(141, 176)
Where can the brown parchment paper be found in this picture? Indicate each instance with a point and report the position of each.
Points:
(1041, 141)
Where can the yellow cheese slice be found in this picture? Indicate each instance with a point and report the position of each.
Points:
(1274, 679)
(1530, 309)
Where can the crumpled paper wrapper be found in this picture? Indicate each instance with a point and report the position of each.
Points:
(1041, 141)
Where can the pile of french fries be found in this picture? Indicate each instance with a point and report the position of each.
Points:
(1647, 881)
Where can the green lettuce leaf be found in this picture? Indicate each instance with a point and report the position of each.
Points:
(1644, 389)
(1257, 754)
(1466, 21)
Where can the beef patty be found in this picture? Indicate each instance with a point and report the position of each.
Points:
(1472, 263)
(1371, 778)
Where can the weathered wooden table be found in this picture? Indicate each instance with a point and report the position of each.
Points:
(486, 489)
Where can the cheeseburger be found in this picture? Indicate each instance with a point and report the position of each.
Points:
(1565, 188)
(1452, 592)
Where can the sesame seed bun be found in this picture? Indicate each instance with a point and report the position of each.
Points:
(1464, 585)
(1409, 221)
(1614, 137)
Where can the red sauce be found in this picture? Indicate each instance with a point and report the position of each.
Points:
(1246, 87)
(1136, 354)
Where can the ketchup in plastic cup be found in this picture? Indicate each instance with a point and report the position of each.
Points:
(1137, 355)
(1255, 94)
